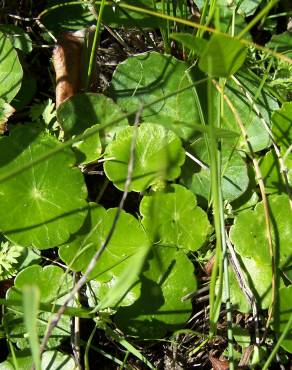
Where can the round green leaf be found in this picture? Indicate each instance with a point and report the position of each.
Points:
(234, 171)
(223, 56)
(160, 308)
(10, 69)
(253, 113)
(51, 360)
(271, 172)
(78, 16)
(281, 43)
(282, 125)
(89, 149)
(249, 235)
(285, 297)
(158, 156)
(259, 279)
(127, 239)
(82, 111)
(172, 217)
(147, 77)
(49, 196)
(96, 290)
(54, 287)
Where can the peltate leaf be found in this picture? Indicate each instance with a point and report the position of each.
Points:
(285, 297)
(127, 239)
(155, 78)
(172, 217)
(51, 360)
(49, 196)
(249, 236)
(53, 286)
(282, 125)
(234, 171)
(84, 110)
(158, 155)
(10, 69)
(168, 278)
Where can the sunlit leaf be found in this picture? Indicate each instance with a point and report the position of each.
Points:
(148, 77)
(222, 56)
(249, 232)
(158, 156)
(53, 286)
(234, 171)
(10, 69)
(127, 239)
(172, 217)
(49, 196)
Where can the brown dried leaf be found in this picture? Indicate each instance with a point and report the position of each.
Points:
(218, 364)
(67, 64)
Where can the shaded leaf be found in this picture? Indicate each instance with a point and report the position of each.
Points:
(234, 172)
(148, 77)
(282, 125)
(167, 279)
(10, 70)
(53, 286)
(19, 39)
(285, 296)
(84, 110)
(196, 44)
(51, 360)
(271, 172)
(281, 43)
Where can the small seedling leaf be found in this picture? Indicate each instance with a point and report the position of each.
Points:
(223, 56)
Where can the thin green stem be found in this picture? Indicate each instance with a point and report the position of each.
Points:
(215, 168)
(280, 340)
(95, 41)
(87, 348)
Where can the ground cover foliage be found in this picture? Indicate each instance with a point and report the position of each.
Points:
(145, 202)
